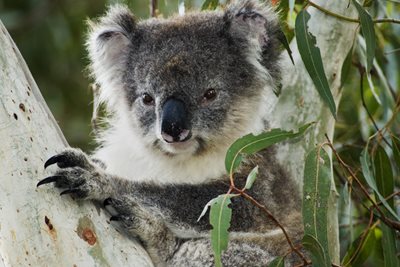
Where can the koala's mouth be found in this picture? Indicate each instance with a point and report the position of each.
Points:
(193, 146)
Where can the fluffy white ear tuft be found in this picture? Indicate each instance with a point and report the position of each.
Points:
(108, 43)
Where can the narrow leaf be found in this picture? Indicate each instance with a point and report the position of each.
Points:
(385, 184)
(282, 38)
(363, 250)
(277, 262)
(251, 178)
(250, 143)
(210, 4)
(370, 179)
(319, 257)
(203, 212)
(311, 57)
(396, 151)
(316, 192)
(346, 67)
(367, 28)
(220, 219)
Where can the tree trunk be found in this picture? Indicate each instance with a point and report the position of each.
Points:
(37, 227)
(300, 103)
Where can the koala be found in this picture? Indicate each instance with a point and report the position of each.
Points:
(179, 91)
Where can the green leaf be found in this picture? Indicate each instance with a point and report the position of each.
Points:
(363, 250)
(282, 38)
(389, 246)
(250, 143)
(396, 151)
(385, 184)
(220, 219)
(384, 174)
(367, 28)
(210, 4)
(311, 57)
(251, 178)
(370, 179)
(346, 67)
(316, 192)
(277, 262)
(319, 256)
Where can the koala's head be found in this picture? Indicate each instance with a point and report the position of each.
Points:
(192, 83)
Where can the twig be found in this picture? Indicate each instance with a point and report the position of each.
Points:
(389, 197)
(362, 71)
(263, 208)
(330, 13)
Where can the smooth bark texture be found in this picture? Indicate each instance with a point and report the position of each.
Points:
(300, 102)
(37, 226)
(79, 234)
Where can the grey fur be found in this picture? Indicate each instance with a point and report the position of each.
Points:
(235, 52)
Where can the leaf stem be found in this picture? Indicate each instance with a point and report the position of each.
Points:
(330, 13)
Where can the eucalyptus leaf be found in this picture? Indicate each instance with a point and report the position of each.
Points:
(319, 256)
(367, 28)
(210, 4)
(312, 60)
(251, 178)
(396, 151)
(277, 262)
(220, 219)
(282, 38)
(370, 179)
(250, 143)
(346, 67)
(385, 184)
(316, 192)
(363, 250)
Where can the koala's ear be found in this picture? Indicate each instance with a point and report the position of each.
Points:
(251, 20)
(108, 43)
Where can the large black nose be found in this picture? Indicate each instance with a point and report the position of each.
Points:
(175, 126)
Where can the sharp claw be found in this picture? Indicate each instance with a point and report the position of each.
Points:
(70, 191)
(50, 179)
(52, 160)
(107, 201)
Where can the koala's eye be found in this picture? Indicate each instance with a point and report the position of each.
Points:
(147, 99)
(209, 95)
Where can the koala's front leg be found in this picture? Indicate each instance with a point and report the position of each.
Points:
(146, 224)
(86, 179)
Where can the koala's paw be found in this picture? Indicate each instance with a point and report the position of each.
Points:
(77, 175)
(135, 218)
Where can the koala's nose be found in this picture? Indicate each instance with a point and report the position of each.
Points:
(174, 121)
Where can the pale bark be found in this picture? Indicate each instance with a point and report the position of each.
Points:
(76, 234)
(31, 136)
(300, 102)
